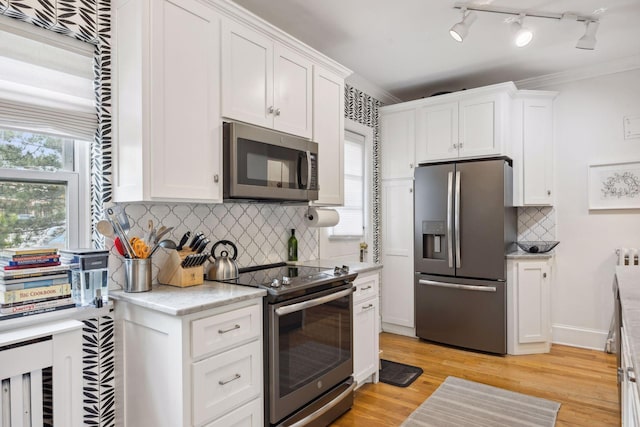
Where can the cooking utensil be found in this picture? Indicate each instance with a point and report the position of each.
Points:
(119, 247)
(121, 217)
(149, 232)
(183, 240)
(224, 267)
(162, 231)
(120, 233)
(140, 248)
(194, 260)
(104, 227)
(203, 244)
(168, 244)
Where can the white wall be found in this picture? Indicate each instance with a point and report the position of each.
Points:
(589, 130)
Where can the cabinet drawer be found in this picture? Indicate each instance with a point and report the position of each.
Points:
(366, 287)
(249, 415)
(226, 381)
(223, 331)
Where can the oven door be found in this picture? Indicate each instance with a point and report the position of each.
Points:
(310, 348)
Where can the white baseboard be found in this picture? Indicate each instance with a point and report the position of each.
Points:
(399, 330)
(593, 339)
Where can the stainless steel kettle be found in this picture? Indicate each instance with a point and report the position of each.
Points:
(223, 267)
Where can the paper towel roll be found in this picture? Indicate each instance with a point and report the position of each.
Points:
(321, 217)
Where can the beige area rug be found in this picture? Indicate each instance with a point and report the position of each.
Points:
(461, 403)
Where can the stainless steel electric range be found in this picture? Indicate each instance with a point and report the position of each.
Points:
(308, 342)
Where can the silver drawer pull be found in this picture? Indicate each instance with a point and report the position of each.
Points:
(364, 289)
(235, 377)
(224, 331)
(366, 307)
(631, 375)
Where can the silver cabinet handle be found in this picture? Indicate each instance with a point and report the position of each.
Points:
(544, 275)
(458, 286)
(457, 224)
(548, 192)
(455, 145)
(366, 307)
(235, 377)
(631, 375)
(270, 109)
(365, 288)
(460, 145)
(216, 178)
(224, 331)
(410, 165)
(288, 309)
(449, 219)
(277, 112)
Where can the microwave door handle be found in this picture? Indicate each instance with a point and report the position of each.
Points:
(300, 183)
(308, 169)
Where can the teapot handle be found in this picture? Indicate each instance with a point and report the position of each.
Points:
(224, 242)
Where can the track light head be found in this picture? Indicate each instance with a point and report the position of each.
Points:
(460, 30)
(588, 40)
(523, 35)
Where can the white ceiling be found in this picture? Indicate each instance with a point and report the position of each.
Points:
(403, 46)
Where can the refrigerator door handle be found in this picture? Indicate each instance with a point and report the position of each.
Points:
(457, 286)
(449, 218)
(457, 224)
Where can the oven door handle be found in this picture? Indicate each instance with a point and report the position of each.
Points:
(288, 309)
(306, 420)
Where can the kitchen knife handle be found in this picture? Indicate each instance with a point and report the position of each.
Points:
(457, 224)
(184, 239)
(449, 219)
(195, 239)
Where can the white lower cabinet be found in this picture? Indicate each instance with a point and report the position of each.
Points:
(528, 306)
(200, 369)
(630, 403)
(365, 328)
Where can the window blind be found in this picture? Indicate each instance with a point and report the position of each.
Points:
(352, 213)
(46, 82)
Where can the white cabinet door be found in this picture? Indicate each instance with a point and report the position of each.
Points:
(328, 132)
(398, 144)
(533, 302)
(166, 101)
(479, 129)
(437, 132)
(292, 96)
(396, 289)
(365, 339)
(537, 134)
(185, 135)
(247, 75)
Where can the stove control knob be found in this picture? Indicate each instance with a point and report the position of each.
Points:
(286, 280)
(275, 283)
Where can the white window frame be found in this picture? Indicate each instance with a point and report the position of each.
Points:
(367, 133)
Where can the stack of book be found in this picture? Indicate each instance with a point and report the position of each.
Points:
(32, 281)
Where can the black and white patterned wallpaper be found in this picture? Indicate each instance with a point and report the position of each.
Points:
(365, 109)
(88, 21)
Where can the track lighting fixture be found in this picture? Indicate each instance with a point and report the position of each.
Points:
(460, 30)
(588, 41)
(523, 36)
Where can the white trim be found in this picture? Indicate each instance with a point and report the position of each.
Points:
(582, 73)
(367, 132)
(399, 330)
(360, 83)
(573, 336)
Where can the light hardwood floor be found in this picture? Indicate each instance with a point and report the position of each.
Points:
(583, 381)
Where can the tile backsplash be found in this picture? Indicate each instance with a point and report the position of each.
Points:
(260, 231)
(536, 223)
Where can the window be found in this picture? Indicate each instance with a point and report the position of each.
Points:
(47, 118)
(352, 214)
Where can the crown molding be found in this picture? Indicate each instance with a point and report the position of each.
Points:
(602, 69)
(371, 89)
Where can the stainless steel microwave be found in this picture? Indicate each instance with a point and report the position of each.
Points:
(263, 164)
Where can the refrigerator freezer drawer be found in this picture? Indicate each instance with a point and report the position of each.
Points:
(464, 313)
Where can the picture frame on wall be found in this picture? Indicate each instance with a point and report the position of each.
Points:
(614, 185)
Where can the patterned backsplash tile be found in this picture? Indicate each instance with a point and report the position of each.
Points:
(260, 231)
(536, 223)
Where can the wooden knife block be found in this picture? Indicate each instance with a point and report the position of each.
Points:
(171, 273)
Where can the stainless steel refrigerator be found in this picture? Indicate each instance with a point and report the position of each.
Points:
(465, 224)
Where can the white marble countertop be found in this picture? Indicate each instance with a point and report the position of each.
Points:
(181, 301)
(629, 288)
(520, 254)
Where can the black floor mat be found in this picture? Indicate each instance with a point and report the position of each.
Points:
(398, 374)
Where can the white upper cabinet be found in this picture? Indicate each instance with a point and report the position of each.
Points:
(328, 132)
(532, 140)
(464, 124)
(167, 136)
(265, 83)
(398, 129)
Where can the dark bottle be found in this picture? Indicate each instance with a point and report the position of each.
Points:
(292, 247)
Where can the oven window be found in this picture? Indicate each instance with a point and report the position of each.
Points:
(313, 342)
(268, 165)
